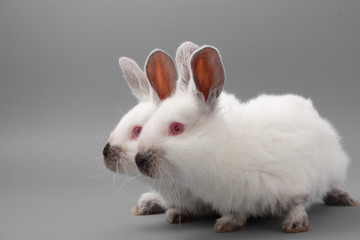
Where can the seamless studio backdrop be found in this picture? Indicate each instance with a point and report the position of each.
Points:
(62, 92)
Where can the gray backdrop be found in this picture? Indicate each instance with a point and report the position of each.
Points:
(62, 92)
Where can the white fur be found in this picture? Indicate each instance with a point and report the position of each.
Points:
(172, 195)
(121, 135)
(246, 157)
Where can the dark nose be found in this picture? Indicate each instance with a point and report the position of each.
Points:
(106, 150)
(143, 162)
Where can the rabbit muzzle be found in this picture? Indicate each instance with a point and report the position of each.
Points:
(112, 157)
(145, 162)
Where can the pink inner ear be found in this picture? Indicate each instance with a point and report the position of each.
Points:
(204, 74)
(208, 71)
(161, 73)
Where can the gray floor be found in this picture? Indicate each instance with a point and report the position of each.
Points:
(61, 93)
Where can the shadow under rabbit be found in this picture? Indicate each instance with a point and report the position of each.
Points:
(322, 217)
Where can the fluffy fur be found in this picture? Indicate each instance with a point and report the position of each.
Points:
(271, 155)
(120, 151)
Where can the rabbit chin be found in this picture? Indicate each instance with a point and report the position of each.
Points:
(122, 162)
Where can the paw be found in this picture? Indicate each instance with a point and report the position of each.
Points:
(296, 226)
(337, 197)
(175, 216)
(226, 225)
(148, 207)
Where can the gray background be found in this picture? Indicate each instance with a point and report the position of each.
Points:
(62, 92)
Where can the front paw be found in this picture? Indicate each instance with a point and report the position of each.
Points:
(148, 204)
(226, 224)
(175, 216)
(148, 208)
(296, 220)
(302, 225)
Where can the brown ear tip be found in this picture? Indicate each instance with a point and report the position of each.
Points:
(158, 53)
(153, 56)
(210, 51)
(158, 57)
(205, 52)
(161, 73)
(210, 48)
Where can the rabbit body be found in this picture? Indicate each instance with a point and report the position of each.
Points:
(266, 150)
(273, 155)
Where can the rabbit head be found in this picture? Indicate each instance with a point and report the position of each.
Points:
(121, 148)
(187, 125)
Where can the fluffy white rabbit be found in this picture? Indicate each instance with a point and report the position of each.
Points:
(273, 155)
(119, 152)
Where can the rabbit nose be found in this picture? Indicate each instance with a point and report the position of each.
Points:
(143, 162)
(106, 150)
(112, 157)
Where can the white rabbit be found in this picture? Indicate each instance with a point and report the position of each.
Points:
(119, 152)
(273, 155)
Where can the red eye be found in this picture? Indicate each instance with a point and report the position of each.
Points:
(135, 132)
(176, 128)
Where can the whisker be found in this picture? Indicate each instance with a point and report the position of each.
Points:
(96, 176)
(176, 194)
(99, 140)
(132, 178)
(125, 180)
(163, 185)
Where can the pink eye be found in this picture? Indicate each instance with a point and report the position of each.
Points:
(135, 132)
(176, 128)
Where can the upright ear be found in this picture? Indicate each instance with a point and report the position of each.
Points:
(208, 73)
(135, 78)
(161, 73)
(183, 56)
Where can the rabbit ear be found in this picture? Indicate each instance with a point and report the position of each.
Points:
(161, 73)
(208, 73)
(183, 56)
(135, 77)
